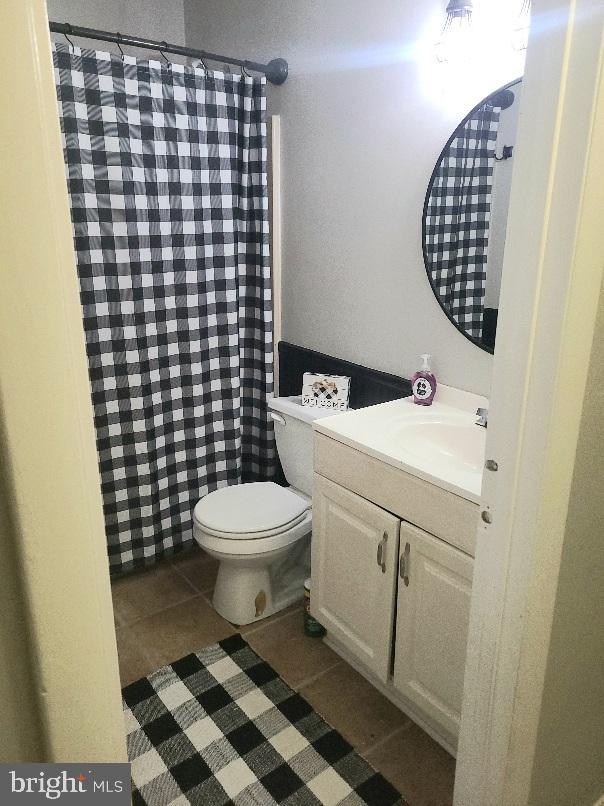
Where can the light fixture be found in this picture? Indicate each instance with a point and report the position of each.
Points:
(522, 27)
(455, 33)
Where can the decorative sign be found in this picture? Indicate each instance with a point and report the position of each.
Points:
(325, 391)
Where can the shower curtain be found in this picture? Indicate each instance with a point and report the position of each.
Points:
(457, 219)
(166, 170)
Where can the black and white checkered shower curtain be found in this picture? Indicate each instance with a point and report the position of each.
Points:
(166, 170)
(457, 219)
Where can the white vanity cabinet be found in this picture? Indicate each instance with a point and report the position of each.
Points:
(354, 572)
(394, 598)
(432, 620)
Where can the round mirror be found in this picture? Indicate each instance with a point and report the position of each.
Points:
(465, 215)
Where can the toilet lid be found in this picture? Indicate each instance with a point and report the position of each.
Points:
(255, 507)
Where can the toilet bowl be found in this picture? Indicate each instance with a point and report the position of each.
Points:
(260, 532)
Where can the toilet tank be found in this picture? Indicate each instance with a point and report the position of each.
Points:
(293, 432)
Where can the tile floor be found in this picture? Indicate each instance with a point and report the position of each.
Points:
(165, 612)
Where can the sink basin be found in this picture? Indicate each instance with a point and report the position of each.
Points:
(441, 443)
(456, 444)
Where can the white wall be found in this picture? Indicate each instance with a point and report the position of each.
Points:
(152, 19)
(365, 113)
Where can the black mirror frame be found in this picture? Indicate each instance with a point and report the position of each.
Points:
(472, 111)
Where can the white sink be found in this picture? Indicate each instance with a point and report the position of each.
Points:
(440, 443)
(445, 442)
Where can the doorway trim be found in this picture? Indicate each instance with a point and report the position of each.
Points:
(553, 264)
(48, 449)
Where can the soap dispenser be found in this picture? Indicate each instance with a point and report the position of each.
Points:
(423, 383)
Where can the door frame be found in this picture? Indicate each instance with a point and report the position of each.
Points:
(47, 445)
(553, 263)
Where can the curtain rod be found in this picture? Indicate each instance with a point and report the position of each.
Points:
(275, 71)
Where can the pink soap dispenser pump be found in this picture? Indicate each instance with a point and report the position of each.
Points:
(423, 383)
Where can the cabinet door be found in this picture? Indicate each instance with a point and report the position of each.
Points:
(354, 562)
(433, 612)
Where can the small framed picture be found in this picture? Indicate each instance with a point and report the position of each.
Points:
(325, 391)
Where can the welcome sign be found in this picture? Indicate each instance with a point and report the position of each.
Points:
(325, 391)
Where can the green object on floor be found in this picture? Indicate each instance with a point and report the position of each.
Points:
(312, 628)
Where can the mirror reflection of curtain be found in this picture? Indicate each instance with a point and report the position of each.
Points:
(457, 219)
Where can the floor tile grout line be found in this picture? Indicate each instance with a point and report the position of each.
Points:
(308, 681)
(141, 647)
(138, 645)
(377, 744)
(207, 595)
(186, 579)
(202, 558)
(194, 595)
(275, 620)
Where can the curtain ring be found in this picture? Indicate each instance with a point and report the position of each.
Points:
(164, 45)
(66, 35)
(204, 65)
(118, 39)
(244, 72)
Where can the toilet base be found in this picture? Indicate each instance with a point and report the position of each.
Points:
(251, 589)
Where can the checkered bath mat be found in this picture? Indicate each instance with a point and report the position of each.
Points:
(222, 727)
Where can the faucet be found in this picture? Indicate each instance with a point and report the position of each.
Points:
(483, 417)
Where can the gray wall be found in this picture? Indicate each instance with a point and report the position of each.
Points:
(153, 19)
(363, 121)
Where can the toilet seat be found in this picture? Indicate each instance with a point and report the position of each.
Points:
(252, 511)
(252, 535)
(248, 545)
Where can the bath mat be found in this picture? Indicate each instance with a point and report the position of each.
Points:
(221, 727)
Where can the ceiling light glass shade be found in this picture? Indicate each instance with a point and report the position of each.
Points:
(455, 36)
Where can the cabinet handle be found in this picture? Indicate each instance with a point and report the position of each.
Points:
(404, 565)
(381, 560)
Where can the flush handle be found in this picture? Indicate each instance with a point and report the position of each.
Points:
(381, 552)
(277, 418)
(404, 565)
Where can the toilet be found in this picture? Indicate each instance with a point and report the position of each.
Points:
(260, 532)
